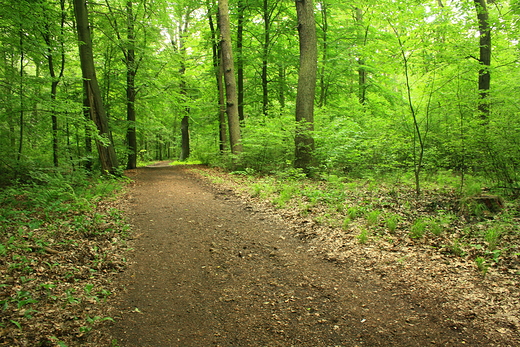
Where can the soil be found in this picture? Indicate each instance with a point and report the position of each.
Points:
(209, 268)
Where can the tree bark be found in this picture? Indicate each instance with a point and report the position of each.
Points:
(265, 55)
(240, 59)
(104, 142)
(55, 80)
(362, 72)
(229, 78)
(21, 96)
(484, 76)
(304, 142)
(219, 74)
(185, 122)
(324, 54)
(131, 136)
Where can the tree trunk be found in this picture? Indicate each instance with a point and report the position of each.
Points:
(185, 138)
(185, 122)
(21, 91)
(240, 59)
(104, 143)
(222, 107)
(304, 142)
(265, 55)
(88, 132)
(131, 136)
(229, 78)
(324, 54)
(219, 74)
(55, 79)
(484, 76)
(362, 72)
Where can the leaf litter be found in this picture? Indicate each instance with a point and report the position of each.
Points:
(56, 278)
(437, 262)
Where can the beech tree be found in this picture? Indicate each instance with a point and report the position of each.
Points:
(303, 141)
(104, 142)
(484, 75)
(410, 105)
(229, 77)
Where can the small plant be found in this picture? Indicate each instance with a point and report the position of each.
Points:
(373, 217)
(455, 248)
(492, 237)
(70, 297)
(391, 223)
(418, 229)
(18, 325)
(346, 223)
(88, 288)
(363, 236)
(481, 265)
(353, 212)
(284, 196)
(435, 227)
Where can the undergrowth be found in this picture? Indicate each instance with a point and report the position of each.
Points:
(59, 237)
(367, 209)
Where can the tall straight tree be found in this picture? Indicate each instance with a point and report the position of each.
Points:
(48, 37)
(179, 46)
(104, 143)
(240, 58)
(219, 73)
(361, 41)
(229, 77)
(324, 54)
(131, 71)
(304, 141)
(484, 76)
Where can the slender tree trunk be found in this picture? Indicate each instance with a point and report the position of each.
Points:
(106, 151)
(9, 104)
(281, 86)
(185, 122)
(304, 142)
(417, 133)
(21, 90)
(484, 78)
(185, 138)
(362, 72)
(219, 74)
(240, 59)
(324, 54)
(265, 56)
(55, 79)
(88, 132)
(131, 136)
(229, 78)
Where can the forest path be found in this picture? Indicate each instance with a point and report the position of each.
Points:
(208, 269)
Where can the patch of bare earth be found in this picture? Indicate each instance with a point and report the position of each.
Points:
(212, 268)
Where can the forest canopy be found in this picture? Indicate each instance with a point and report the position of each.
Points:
(402, 87)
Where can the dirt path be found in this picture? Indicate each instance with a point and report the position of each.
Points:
(210, 270)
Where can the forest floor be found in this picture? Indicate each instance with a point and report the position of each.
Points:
(210, 267)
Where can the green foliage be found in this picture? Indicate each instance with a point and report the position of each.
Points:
(391, 222)
(492, 237)
(481, 265)
(45, 223)
(362, 237)
(372, 217)
(353, 212)
(418, 228)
